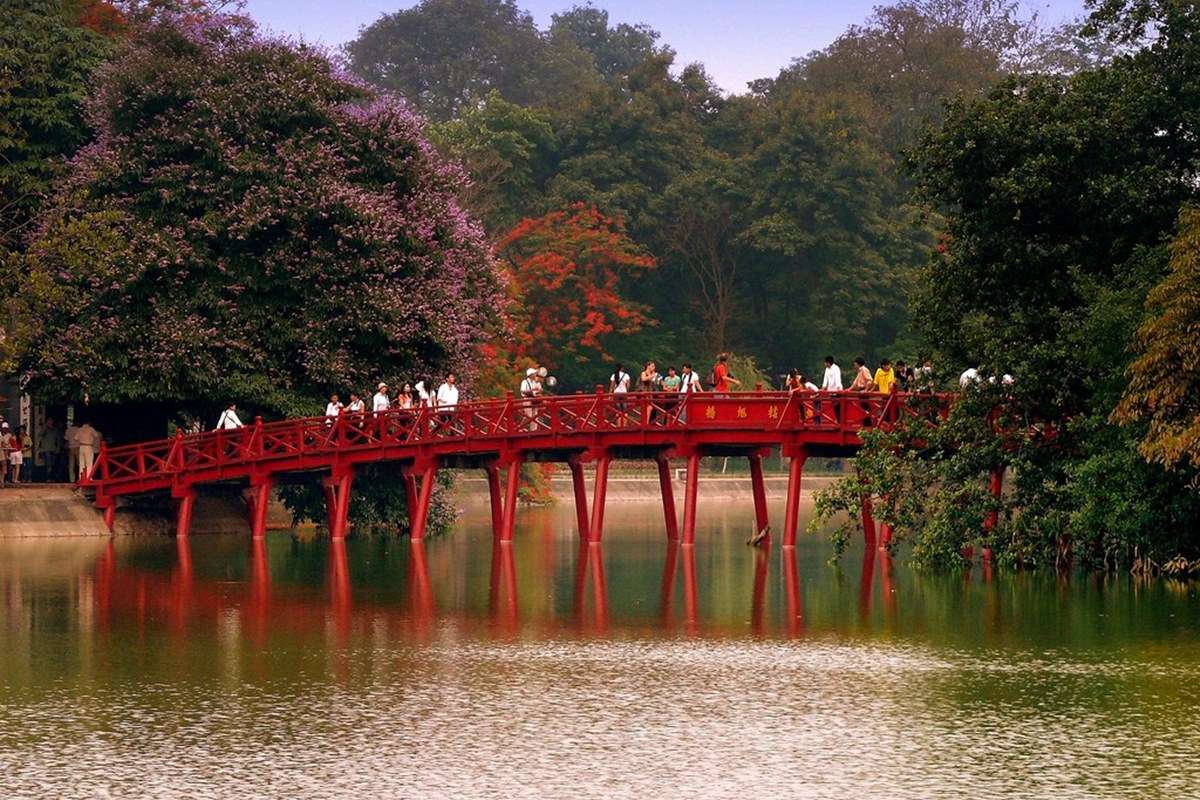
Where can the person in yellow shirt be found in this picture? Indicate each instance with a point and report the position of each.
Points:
(885, 378)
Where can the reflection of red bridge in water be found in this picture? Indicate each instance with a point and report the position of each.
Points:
(496, 435)
(176, 597)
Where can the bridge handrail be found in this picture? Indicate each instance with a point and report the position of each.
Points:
(503, 418)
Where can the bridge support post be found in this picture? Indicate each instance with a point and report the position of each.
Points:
(996, 488)
(512, 482)
(260, 499)
(668, 498)
(791, 519)
(418, 512)
(581, 499)
(497, 501)
(596, 529)
(761, 520)
(689, 499)
(185, 498)
(337, 496)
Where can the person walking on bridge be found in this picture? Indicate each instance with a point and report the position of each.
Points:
(356, 405)
(721, 378)
(531, 390)
(334, 407)
(228, 420)
(447, 394)
(885, 378)
(380, 402)
(618, 382)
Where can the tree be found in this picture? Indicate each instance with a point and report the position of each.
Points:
(507, 150)
(47, 60)
(446, 56)
(568, 268)
(616, 52)
(1059, 195)
(252, 226)
(1164, 381)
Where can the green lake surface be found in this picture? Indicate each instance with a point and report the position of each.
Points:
(221, 668)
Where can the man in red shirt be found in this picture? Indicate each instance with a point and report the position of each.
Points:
(721, 377)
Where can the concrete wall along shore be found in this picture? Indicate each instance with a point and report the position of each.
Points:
(40, 511)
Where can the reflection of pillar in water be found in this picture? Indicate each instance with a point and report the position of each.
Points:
(791, 582)
(260, 588)
(183, 581)
(689, 590)
(866, 583)
(339, 587)
(103, 586)
(418, 581)
(761, 554)
(889, 588)
(581, 560)
(503, 588)
(599, 586)
(667, 592)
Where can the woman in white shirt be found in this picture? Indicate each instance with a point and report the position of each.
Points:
(618, 382)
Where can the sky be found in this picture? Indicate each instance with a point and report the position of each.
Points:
(737, 40)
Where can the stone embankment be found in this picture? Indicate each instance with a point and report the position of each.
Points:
(59, 510)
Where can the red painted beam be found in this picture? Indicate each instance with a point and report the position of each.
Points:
(599, 495)
(581, 499)
(668, 498)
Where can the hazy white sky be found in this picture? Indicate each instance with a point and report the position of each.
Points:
(738, 40)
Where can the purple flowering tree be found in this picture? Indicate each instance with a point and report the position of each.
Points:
(251, 224)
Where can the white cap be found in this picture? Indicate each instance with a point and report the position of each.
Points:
(529, 372)
(382, 385)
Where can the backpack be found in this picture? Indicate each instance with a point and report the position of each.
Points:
(711, 380)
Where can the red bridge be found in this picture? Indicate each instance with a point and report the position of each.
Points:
(502, 435)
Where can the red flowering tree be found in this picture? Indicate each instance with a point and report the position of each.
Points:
(568, 271)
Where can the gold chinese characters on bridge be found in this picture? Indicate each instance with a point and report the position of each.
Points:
(710, 412)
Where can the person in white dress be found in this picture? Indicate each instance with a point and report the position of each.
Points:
(380, 402)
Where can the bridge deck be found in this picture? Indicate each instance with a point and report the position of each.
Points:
(502, 434)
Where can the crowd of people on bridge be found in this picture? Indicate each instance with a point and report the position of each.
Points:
(888, 377)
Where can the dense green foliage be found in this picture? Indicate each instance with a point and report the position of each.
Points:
(1061, 195)
(780, 218)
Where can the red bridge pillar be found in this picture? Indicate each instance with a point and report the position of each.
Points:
(581, 500)
(791, 521)
(691, 489)
(185, 498)
(337, 500)
(596, 529)
(512, 483)
(260, 499)
(497, 501)
(418, 511)
(668, 497)
(761, 521)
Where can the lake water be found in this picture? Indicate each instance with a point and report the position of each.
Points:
(217, 668)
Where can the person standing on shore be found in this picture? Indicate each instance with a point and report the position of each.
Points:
(25, 464)
(71, 434)
(89, 442)
(49, 450)
(6, 447)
